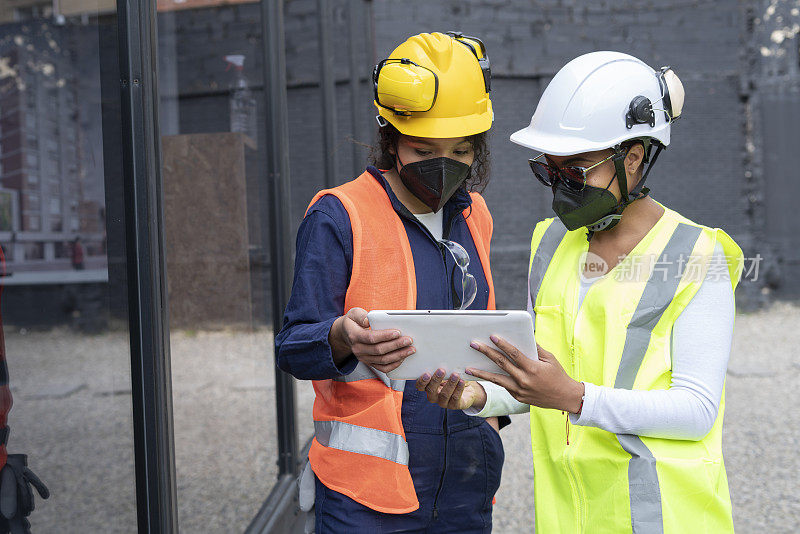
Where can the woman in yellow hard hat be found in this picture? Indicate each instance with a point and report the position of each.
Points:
(634, 310)
(410, 233)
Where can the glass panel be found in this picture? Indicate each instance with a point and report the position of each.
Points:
(217, 230)
(64, 297)
(355, 128)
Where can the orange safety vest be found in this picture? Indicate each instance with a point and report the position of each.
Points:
(359, 447)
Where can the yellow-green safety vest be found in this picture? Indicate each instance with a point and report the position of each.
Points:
(620, 337)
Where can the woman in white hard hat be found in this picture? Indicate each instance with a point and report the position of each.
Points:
(409, 236)
(633, 307)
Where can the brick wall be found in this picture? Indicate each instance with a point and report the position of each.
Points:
(701, 174)
(707, 173)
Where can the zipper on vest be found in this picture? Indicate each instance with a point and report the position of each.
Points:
(576, 493)
(444, 470)
(449, 284)
(575, 482)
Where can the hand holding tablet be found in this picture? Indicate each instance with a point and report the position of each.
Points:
(383, 350)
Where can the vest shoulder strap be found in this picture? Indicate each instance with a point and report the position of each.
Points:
(733, 253)
(377, 232)
(483, 218)
(364, 191)
(547, 236)
(481, 226)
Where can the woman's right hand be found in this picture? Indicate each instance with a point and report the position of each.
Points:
(454, 394)
(384, 350)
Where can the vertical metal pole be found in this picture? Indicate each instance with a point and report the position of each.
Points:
(327, 83)
(355, 82)
(371, 23)
(147, 296)
(169, 107)
(277, 134)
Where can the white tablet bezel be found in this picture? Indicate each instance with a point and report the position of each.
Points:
(433, 330)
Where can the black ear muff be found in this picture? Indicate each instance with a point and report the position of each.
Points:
(640, 111)
(662, 82)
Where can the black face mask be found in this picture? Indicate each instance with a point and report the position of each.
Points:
(593, 207)
(435, 180)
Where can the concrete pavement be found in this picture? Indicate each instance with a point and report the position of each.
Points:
(72, 416)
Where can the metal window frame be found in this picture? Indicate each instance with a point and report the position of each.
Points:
(278, 191)
(327, 82)
(280, 512)
(154, 452)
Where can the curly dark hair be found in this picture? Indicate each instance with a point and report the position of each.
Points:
(388, 135)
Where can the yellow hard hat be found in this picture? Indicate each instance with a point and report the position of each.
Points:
(435, 85)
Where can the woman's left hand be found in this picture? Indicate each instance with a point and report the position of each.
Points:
(539, 382)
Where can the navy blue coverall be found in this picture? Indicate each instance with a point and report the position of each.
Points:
(455, 460)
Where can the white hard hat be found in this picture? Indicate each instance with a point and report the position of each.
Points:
(599, 100)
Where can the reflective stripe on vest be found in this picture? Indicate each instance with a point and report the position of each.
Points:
(360, 449)
(657, 295)
(544, 254)
(589, 463)
(363, 371)
(361, 440)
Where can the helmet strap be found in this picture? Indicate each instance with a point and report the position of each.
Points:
(640, 188)
(622, 177)
(398, 164)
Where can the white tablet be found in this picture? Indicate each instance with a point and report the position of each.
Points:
(442, 338)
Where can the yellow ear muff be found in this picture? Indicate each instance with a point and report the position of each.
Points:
(479, 49)
(403, 86)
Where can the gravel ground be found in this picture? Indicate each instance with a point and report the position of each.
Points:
(72, 416)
